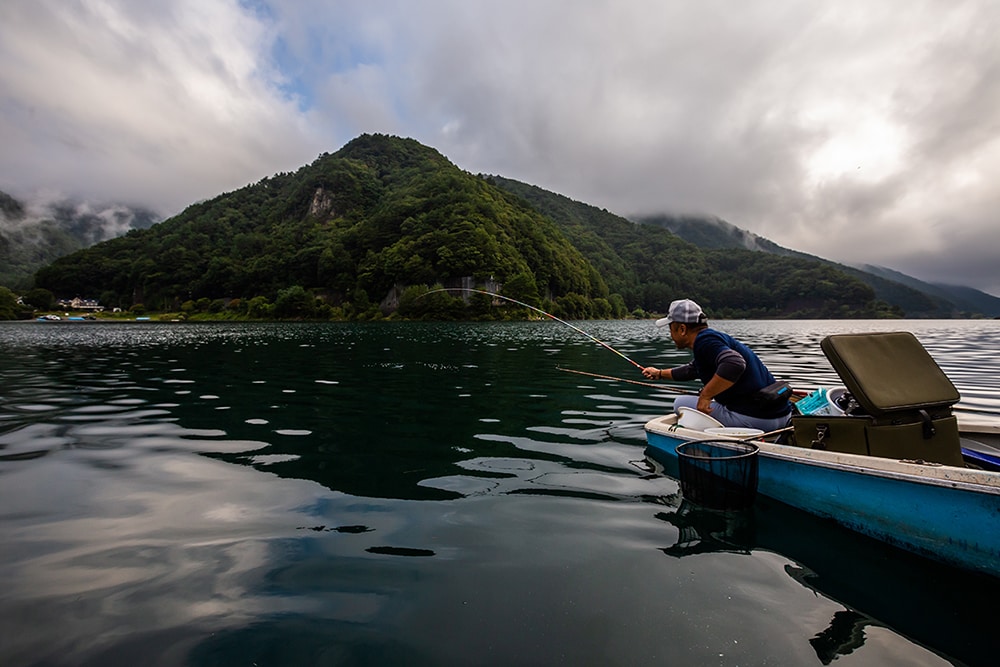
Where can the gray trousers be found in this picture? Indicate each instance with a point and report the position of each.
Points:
(727, 417)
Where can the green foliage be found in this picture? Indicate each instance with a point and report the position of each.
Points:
(25, 248)
(386, 216)
(618, 309)
(418, 302)
(647, 267)
(10, 309)
(380, 212)
(259, 308)
(40, 299)
(523, 288)
(294, 303)
(8, 304)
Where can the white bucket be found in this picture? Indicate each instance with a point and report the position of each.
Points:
(693, 419)
(832, 397)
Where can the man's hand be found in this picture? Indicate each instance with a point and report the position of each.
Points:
(712, 388)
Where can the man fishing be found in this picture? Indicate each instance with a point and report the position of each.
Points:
(738, 389)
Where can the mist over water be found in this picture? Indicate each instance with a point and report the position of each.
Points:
(414, 493)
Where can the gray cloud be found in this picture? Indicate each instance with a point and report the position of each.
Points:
(862, 132)
(160, 105)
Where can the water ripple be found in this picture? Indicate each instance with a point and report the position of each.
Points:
(222, 479)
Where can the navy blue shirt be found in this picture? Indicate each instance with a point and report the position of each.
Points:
(741, 397)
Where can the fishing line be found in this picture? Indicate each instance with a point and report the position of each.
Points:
(641, 384)
(537, 310)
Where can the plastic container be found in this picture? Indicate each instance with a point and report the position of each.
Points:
(718, 474)
(696, 420)
(822, 402)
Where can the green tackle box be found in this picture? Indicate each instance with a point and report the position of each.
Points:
(905, 401)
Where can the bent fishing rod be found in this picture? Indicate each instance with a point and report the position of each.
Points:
(537, 310)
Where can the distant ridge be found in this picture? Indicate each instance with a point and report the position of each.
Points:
(716, 234)
(727, 277)
(31, 237)
(965, 298)
(916, 297)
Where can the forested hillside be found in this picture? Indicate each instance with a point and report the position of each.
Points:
(652, 266)
(362, 232)
(960, 299)
(914, 297)
(351, 228)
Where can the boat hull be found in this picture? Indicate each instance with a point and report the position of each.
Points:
(945, 513)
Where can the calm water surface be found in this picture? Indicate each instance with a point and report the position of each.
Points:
(427, 494)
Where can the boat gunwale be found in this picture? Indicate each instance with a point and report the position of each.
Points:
(966, 479)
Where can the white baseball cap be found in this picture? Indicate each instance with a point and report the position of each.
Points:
(683, 311)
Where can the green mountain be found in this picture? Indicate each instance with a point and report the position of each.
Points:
(367, 230)
(354, 228)
(963, 299)
(914, 297)
(716, 234)
(651, 265)
(29, 240)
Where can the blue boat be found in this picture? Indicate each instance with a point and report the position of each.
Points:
(927, 486)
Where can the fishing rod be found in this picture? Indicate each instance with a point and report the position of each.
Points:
(537, 310)
(641, 384)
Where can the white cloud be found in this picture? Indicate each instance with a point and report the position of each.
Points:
(857, 131)
(154, 105)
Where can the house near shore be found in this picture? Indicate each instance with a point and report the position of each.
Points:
(91, 305)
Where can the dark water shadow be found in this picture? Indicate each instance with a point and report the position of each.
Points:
(946, 610)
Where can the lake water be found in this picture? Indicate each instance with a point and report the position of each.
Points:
(427, 494)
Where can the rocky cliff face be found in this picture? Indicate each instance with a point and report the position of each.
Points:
(322, 204)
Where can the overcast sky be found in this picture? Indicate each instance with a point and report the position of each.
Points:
(863, 131)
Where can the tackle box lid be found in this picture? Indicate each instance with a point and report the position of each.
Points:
(889, 371)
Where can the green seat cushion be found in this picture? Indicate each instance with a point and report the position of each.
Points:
(889, 371)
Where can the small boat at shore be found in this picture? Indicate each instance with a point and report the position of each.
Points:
(903, 470)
